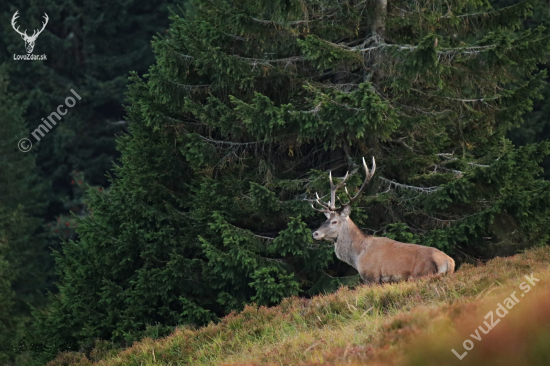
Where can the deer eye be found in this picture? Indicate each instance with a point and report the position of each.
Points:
(334, 222)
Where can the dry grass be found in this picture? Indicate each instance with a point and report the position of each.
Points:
(409, 323)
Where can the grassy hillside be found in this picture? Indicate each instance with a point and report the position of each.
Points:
(410, 323)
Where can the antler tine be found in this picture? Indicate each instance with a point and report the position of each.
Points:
(13, 19)
(332, 191)
(46, 18)
(347, 193)
(368, 176)
(334, 188)
(339, 184)
(325, 205)
(373, 166)
(323, 210)
(43, 24)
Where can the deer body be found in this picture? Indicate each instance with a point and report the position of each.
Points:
(380, 260)
(377, 260)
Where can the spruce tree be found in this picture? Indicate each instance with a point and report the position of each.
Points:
(536, 127)
(22, 273)
(235, 128)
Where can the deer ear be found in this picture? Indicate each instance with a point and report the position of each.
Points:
(346, 211)
(327, 215)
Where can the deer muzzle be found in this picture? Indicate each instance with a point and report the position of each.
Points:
(317, 235)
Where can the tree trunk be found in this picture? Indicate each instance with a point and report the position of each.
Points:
(379, 21)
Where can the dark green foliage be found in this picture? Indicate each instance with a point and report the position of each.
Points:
(236, 125)
(536, 127)
(22, 273)
(91, 46)
(64, 227)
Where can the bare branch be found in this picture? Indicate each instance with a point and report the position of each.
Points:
(231, 143)
(405, 186)
(479, 165)
(495, 97)
(259, 61)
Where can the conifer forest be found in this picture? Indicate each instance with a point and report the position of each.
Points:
(163, 164)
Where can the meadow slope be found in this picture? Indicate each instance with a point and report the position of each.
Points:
(409, 323)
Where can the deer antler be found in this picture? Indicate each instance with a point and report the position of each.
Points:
(368, 176)
(326, 208)
(334, 188)
(330, 206)
(15, 16)
(35, 34)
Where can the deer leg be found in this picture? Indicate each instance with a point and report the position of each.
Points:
(369, 278)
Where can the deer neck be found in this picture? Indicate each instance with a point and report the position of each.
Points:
(350, 243)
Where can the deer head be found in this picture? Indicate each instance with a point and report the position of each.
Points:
(337, 216)
(29, 40)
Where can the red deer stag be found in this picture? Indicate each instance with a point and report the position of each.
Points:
(377, 260)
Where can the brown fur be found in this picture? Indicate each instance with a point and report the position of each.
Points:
(380, 260)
